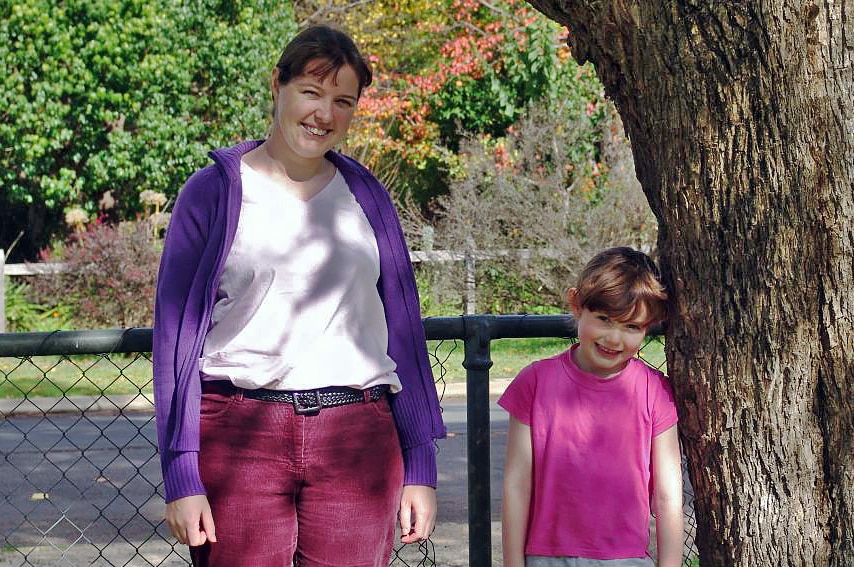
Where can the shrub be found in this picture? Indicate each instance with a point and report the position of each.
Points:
(536, 205)
(109, 276)
(24, 315)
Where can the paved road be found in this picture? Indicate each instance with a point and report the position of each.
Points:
(453, 493)
(68, 480)
(72, 478)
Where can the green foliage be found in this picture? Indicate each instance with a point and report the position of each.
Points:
(435, 303)
(127, 95)
(526, 68)
(24, 315)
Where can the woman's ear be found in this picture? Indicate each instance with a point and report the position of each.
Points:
(274, 83)
(572, 301)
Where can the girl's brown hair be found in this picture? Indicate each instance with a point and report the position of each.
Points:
(620, 282)
(326, 50)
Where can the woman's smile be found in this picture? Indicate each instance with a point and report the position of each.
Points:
(316, 131)
(313, 113)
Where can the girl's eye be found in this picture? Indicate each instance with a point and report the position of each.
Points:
(309, 92)
(345, 103)
(603, 318)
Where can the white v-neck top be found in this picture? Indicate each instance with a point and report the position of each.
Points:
(298, 306)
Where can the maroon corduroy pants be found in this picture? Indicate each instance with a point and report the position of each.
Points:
(313, 490)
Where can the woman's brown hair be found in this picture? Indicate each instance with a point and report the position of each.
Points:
(326, 50)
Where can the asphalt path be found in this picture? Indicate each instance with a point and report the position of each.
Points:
(452, 492)
(68, 480)
(89, 473)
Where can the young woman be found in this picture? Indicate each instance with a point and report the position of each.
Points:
(296, 409)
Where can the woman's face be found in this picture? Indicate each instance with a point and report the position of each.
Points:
(313, 114)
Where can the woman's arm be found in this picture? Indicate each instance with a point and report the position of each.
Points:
(517, 493)
(416, 409)
(178, 329)
(667, 497)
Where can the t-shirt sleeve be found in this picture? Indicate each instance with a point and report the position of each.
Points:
(664, 405)
(518, 398)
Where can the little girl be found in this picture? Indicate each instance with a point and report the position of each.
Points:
(593, 431)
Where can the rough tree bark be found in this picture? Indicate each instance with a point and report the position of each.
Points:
(741, 118)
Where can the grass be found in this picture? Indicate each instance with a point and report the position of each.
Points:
(54, 376)
(509, 356)
(130, 374)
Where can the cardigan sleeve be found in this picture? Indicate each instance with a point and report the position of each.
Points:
(178, 321)
(416, 407)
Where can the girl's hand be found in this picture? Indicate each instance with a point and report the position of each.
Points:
(190, 520)
(417, 513)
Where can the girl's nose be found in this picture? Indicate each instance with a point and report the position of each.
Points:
(613, 339)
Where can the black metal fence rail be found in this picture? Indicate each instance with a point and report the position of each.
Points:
(476, 331)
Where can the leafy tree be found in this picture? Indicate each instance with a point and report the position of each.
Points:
(532, 211)
(496, 72)
(446, 70)
(123, 96)
(740, 117)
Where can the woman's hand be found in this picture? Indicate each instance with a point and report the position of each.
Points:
(417, 513)
(190, 520)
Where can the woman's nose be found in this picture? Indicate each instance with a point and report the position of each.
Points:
(323, 112)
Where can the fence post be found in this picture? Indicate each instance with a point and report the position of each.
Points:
(471, 282)
(477, 362)
(2, 291)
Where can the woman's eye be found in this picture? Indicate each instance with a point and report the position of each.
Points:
(603, 318)
(345, 103)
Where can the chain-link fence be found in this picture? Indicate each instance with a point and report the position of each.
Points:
(81, 482)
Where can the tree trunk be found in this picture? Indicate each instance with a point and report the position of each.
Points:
(741, 117)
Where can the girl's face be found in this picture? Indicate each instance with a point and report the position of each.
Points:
(312, 114)
(605, 345)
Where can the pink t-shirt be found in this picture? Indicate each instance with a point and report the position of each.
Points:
(592, 442)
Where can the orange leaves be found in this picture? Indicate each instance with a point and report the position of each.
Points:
(422, 50)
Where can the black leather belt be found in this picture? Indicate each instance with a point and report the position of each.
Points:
(304, 401)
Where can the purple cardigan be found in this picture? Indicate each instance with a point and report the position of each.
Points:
(200, 235)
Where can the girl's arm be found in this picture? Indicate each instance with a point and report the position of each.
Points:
(517, 493)
(667, 497)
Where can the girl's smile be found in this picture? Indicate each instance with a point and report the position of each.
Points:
(607, 351)
(605, 344)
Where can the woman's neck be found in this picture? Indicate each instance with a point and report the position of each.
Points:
(301, 177)
(282, 162)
